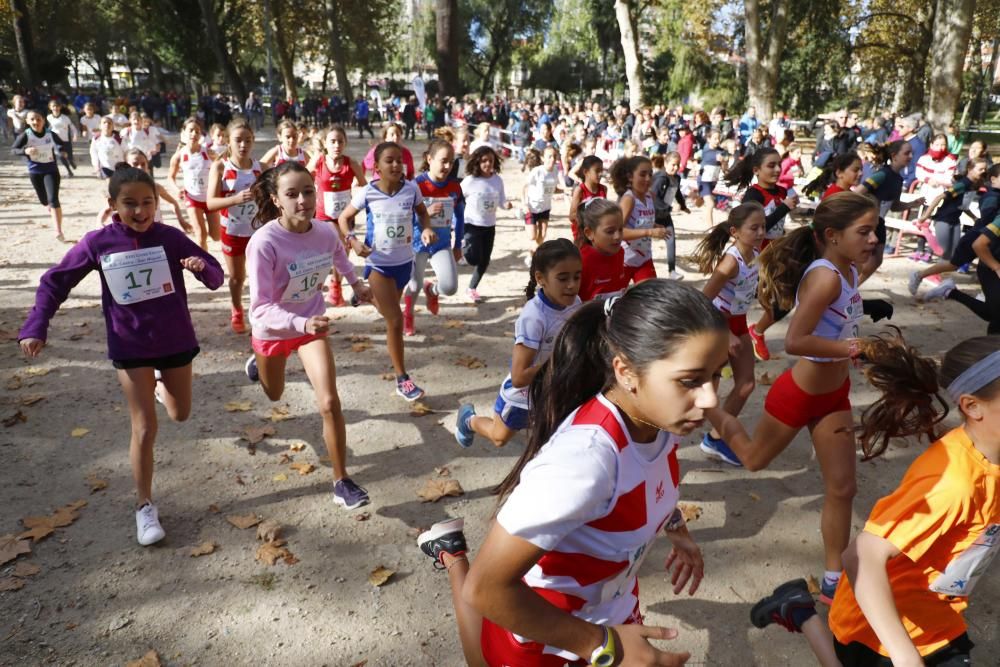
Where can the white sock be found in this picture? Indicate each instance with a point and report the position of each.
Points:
(831, 577)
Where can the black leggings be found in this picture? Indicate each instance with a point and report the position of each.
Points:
(47, 188)
(671, 242)
(477, 247)
(990, 310)
(955, 654)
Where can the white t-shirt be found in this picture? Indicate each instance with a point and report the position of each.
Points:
(92, 125)
(19, 119)
(540, 188)
(62, 126)
(483, 196)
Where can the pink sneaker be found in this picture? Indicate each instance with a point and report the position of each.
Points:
(433, 304)
(473, 295)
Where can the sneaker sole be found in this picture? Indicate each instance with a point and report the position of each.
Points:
(440, 529)
(343, 503)
(149, 542)
(713, 454)
(407, 398)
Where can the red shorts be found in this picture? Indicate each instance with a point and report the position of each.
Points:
(637, 274)
(789, 404)
(281, 347)
(194, 203)
(234, 246)
(738, 324)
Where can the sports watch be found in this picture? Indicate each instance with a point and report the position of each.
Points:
(605, 654)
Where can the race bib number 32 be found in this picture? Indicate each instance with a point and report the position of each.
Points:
(137, 275)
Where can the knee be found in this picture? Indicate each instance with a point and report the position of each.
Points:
(144, 431)
(393, 318)
(842, 488)
(235, 280)
(329, 406)
(447, 285)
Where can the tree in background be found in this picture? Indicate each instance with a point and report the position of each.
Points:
(446, 46)
(766, 29)
(953, 19)
(626, 12)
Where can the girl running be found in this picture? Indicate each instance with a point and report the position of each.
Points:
(229, 183)
(666, 192)
(631, 179)
(446, 208)
(552, 296)
(555, 581)
(712, 160)
(589, 173)
(601, 251)
(814, 269)
(137, 159)
(151, 339)
(541, 184)
(733, 289)
(217, 146)
(926, 545)
(390, 204)
(335, 174)
(195, 163)
(841, 174)
(484, 194)
(62, 125)
(287, 149)
(288, 259)
(137, 136)
(90, 122)
(106, 150)
(391, 133)
(39, 145)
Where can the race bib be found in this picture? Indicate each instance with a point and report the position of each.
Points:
(194, 181)
(240, 219)
(335, 202)
(549, 189)
(42, 154)
(961, 575)
(441, 220)
(306, 278)
(488, 203)
(854, 312)
(137, 275)
(392, 230)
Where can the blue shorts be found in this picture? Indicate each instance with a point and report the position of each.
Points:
(705, 189)
(399, 272)
(443, 243)
(513, 416)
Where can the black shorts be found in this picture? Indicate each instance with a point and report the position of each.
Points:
(956, 654)
(535, 218)
(178, 360)
(963, 252)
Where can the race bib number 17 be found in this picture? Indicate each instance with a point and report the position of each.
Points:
(137, 275)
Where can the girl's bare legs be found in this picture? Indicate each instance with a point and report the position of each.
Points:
(317, 359)
(833, 440)
(820, 639)
(214, 225)
(201, 226)
(493, 429)
(709, 204)
(386, 296)
(56, 214)
(236, 267)
(743, 379)
(765, 321)
(470, 622)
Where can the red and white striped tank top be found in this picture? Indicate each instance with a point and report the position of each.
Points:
(238, 219)
(334, 187)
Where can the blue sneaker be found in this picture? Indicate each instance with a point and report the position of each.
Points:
(788, 601)
(251, 369)
(827, 590)
(349, 495)
(717, 449)
(463, 431)
(406, 388)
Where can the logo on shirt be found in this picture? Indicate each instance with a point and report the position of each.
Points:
(659, 491)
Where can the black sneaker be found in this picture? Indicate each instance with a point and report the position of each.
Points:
(778, 606)
(349, 495)
(443, 537)
(251, 369)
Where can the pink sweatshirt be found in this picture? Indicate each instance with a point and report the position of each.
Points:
(287, 272)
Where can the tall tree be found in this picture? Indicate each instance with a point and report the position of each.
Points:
(275, 15)
(337, 53)
(218, 46)
(765, 42)
(953, 27)
(25, 46)
(625, 12)
(446, 31)
(497, 29)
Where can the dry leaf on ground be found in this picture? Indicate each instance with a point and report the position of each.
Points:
(437, 338)
(31, 399)
(303, 468)
(238, 406)
(37, 371)
(454, 324)
(285, 458)
(79, 432)
(243, 521)
(443, 471)
(269, 531)
(96, 484)
(25, 569)
(361, 347)
(11, 584)
(214, 509)
(435, 489)
(753, 496)
(470, 362)
(203, 549)
(273, 551)
(39, 527)
(280, 414)
(358, 338)
(813, 585)
(690, 511)
(360, 664)
(151, 659)
(15, 418)
(280, 477)
(380, 575)
(254, 434)
(14, 383)
(362, 516)
(11, 547)
(765, 379)
(297, 446)
(388, 376)
(419, 409)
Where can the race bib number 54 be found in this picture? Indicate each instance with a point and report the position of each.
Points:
(137, 275)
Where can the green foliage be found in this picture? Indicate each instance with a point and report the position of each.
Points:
(565, 73)
(498, 29)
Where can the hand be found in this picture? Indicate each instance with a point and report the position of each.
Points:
(508, 206)
(359, 248)
(686, 560)
(428, 236)
(193, 264)
(792, 201)
(699, 201)
(917, 203)
(318, 325)
(457, 254)
(853, 348)
(362, 291)
(634, 647)
(435, 209)
(246, 196)
(658, 232)
(921, 223)
(185, 225)
(32, 346)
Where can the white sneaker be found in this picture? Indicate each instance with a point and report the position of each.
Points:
(676, 275)
(147, 525)
(941, 291)
(981, 297)
(914, 283)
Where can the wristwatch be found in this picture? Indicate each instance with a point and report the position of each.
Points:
(605, 654)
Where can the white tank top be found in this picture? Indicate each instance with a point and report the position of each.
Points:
(284, 157)
(739, 292)
(238, 219)
(840, 319)
(643, 216)
(195, 167)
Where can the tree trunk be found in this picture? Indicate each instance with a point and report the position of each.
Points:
(217, 44)
(952, 30)
(285, 60)
(446, 22)
(630, 48)
(337, 53)
(763, 53)
(25, 46)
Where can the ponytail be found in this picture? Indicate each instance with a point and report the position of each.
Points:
(885, 152)
(622, 170)
(436, 144)
(712, 247)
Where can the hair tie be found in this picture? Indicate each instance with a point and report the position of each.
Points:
(591, 201)
(974, 378)
(609, 305)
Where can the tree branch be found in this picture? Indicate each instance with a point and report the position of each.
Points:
(902, 50)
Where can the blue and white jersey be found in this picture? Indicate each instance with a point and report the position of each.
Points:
(389, 222)
(537, 327)
(449, 223)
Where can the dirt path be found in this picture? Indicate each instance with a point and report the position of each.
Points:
(99, 599)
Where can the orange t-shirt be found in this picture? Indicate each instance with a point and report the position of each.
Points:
(945, 520)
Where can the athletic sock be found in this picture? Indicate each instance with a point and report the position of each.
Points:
(831, 578)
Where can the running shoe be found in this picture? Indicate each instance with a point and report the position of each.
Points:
(675, 275)
(926, 257)
(444, 537)
(349, 495)
(778, 607)
(717, 449)
(914, 283)
(147, 525)
(433, 303)
(941, 291)
(473, 295)
(335, 296)
(915, 256)
(406, 388)
(236, 322)
(759, 344)
(408, 329)
(964, 269)
(251, 369)
(827, 591)
(463, 427)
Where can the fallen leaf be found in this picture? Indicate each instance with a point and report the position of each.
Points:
(285, 458)
(360, 664)
(14, 383)
(388, 376)
(361, 347)
(76, 505)
(358, 338)
(239, 480)
(297, 446)
(24, 569)
(362, 516)
(280, 414)
(269, 531)
(202, 549)
(280, 477)
(813, 585)
(754, 496)
(243, 521)
(380, 575)
(31, 399)
(303, 468)
(254, 434)
(419, 409)
(70, 626)
(437, 338)
(764, 379)
(11, 547)
(435, 489)
(9, 336)
(96, 484)
(214, 509)
(15, 418)
(238, 406)
(443, 471)
(727, 373)
(151, 659)
(690, 511)
(36, 371)
(63, 516)
(79, 432)
(11, 584)
(39, 527)
(470, 362)
(454, 324)
(271, 552)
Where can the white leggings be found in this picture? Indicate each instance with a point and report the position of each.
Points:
(443, 263)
